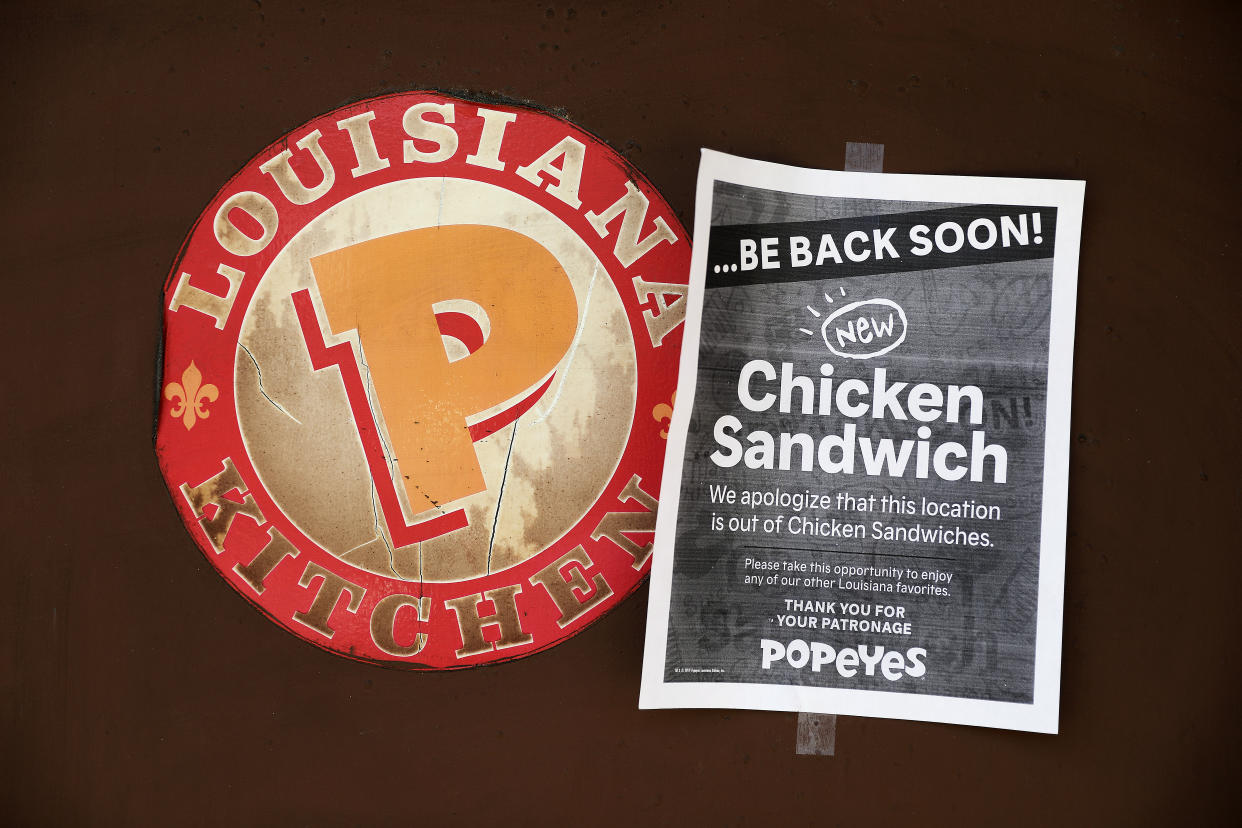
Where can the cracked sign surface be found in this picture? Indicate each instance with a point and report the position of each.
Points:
(419, 361)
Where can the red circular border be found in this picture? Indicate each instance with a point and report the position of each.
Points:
(192, 456)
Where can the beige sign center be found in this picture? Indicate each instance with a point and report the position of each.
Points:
(302, 436)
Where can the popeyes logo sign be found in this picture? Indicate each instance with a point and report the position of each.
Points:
(418, 366)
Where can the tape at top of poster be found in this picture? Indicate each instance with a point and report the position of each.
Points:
(864, 501)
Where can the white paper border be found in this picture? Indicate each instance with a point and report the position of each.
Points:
(1042, 714)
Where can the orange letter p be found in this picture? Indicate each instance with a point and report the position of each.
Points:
(387, 289)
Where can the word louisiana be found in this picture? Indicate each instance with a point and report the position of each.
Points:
(759, 390)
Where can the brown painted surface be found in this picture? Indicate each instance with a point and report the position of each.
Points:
(137, 689)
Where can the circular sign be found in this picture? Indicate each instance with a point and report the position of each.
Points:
(419, 361)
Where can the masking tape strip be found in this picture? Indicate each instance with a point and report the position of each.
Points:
(817, 732)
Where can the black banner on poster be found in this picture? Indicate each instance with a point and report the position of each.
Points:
(799, 251)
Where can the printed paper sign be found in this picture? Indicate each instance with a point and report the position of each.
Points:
(864, 500)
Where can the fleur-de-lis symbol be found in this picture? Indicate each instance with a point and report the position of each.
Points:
(191, 395)
(664, 413)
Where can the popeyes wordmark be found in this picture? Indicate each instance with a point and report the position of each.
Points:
(419, 360)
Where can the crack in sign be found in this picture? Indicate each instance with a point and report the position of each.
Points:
(259, 372)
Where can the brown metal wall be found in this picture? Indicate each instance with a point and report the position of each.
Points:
(138, 689)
